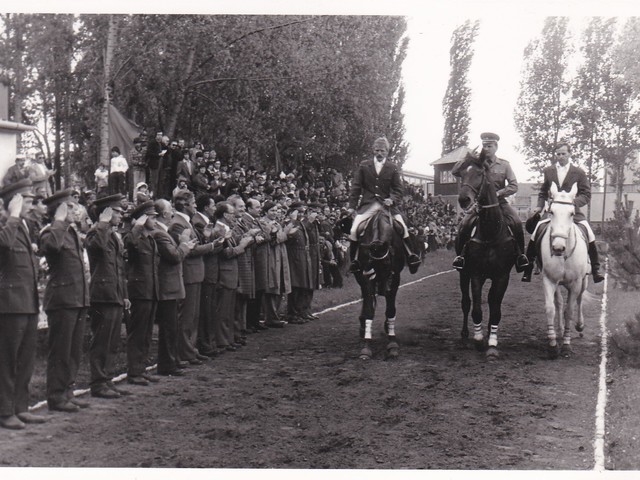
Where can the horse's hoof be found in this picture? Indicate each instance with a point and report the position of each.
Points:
(366, 354)
(566, 351)
(479, 344)
(392, 354)
(492, 353)
(579, 327)
(552, 351)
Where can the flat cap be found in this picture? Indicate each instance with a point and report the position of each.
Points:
(57, 198)
(146, 208)
(489, 137)
(23, 187)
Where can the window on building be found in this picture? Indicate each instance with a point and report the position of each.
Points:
(447, 177)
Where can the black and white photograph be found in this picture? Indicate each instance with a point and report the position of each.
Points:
(346, 238)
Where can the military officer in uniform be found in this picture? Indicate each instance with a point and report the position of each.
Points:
(66, 300)
(19, 307)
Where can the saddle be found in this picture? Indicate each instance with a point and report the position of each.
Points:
(542, 228)
(397, 226)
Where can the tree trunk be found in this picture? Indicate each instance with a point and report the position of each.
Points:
(104, 116)
(174, 114)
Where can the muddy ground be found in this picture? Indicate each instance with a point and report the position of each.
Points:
(300, 397)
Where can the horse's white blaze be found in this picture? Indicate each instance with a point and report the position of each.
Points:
(367, 329)
(391, 326)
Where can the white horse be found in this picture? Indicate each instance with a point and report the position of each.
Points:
(564, 255)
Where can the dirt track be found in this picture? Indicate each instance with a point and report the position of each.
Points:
(300, 398)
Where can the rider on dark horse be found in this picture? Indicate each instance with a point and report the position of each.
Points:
(377, 184)
(506, 184)
(565, 174)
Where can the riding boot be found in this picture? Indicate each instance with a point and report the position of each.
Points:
(461, 250)
(595, 263)
(353, 251)
(521, 260)
(413, 260)
(531, 257)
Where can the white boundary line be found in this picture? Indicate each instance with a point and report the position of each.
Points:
(338, 307)
(601, 406)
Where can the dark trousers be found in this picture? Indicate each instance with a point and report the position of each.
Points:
(226, 303)
(18, 339)
(66, 336)
(307, 300)
(188, 317)
(296, 302)
(254, 305)
(271, 303)
(206, 340)
(106, 321)
(332, 276)
(167, 319)
(118, 183)
(153, 181)
(139, 333)
(240, 316)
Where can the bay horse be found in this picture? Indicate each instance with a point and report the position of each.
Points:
(490, 255)
(562, 249)
(382, 257)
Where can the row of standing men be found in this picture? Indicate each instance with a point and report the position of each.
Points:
(206, 273)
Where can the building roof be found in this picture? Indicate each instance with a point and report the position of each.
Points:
(422, 176)
(7, 125)
(453, 156)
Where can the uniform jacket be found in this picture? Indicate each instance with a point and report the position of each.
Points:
(68, 286)
(193, 266)
(501, 174)
(368, 187)
(143, 260)
(106, 260)
(272, 263)
(574, 175)
(18, 270)
(170, 281)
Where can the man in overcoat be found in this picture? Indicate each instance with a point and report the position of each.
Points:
(19, 307)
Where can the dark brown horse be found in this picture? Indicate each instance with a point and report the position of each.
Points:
(382, 256)
(490, 255)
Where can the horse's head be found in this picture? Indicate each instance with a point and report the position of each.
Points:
(561, 212)
(472, 184)
(375, 244)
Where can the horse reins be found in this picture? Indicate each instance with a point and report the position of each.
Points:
(480, 191)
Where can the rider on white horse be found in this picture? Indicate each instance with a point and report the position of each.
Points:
(376, 184)
(565, 174)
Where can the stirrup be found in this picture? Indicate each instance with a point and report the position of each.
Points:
(458, 263)
(522, 262)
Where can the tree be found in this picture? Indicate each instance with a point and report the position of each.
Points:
(455, 105)
(542, 110)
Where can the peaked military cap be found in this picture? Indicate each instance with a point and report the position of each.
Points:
(23, 187)
(146, 208)
(489, 137)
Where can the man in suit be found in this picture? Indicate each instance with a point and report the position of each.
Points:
(377, 184)
(564, 174)
(506, 184)
(170, 287)
(66, 300)
(19, 307)
(108, 292)
(16, 172)
(193, 271)
(153, 159)
(202, 222)
(142, 286)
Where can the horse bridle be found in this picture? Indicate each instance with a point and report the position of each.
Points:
(565, 237)
(480, 191)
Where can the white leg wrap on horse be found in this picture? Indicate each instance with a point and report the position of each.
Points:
(493, 336)
(551, 335)
(477, 332)
(566, 340)
(391, 326)
(367, 329)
